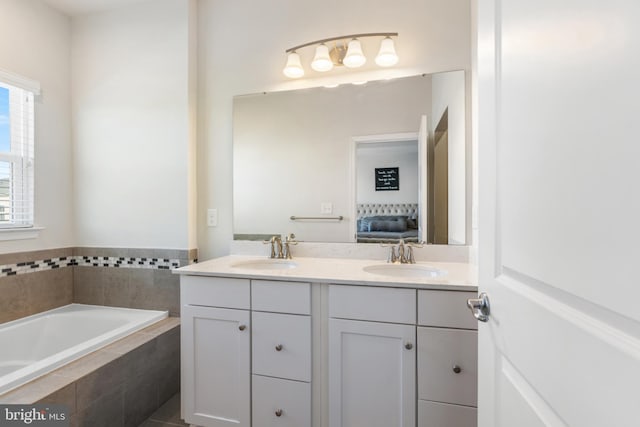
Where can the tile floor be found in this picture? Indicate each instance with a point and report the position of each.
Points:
(168, 415)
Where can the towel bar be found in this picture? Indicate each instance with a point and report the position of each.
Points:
(334, 218)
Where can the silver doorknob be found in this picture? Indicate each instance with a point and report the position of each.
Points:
(408, 346)
(242, 327)
(279, 413)
(279, 347)
(480, 307)
(457, 369)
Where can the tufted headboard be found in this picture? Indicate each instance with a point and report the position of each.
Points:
(384, 209)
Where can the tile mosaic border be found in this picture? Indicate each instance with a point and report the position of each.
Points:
(35, 266)
(25, 267)
(127, 262)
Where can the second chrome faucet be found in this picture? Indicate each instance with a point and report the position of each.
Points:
(402, 253)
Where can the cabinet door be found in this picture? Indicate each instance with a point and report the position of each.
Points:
(372, 374)
(216, 366)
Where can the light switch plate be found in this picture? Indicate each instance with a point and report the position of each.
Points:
(212, 217)
(326, 208)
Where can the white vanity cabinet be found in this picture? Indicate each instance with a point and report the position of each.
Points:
(244, 367)
(447, 360)
(281, 354)
(372, 356)
(216, 349)
(265, 353)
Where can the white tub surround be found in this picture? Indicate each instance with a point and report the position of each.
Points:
(459, 276)
(43, 342)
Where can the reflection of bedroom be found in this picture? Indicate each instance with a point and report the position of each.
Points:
(387, 211)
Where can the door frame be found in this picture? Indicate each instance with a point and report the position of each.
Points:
(390, 138)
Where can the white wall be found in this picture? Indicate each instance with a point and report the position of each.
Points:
(132, 101)
(248, 56)
(449, 92)
(34, 42)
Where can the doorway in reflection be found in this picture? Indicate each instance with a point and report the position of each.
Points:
(387, 189)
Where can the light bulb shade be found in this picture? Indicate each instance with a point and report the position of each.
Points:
(322, 61)
(293, 69)
(387, 55)
(354, 57)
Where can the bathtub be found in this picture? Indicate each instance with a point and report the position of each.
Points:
(37, 344)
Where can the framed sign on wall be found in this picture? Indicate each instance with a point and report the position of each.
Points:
(387, 179)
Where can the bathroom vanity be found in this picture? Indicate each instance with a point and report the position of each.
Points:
(327, 342)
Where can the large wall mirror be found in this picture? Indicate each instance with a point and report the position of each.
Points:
(368, 163)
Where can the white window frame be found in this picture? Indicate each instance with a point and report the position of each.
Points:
(22, 95)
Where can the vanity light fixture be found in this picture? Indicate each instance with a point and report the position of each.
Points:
(354, 57)
(293, 69)
(345, 50)
(322, 61)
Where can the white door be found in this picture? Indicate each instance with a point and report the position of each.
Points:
(372, 374)
(559, 212)
(216, 364)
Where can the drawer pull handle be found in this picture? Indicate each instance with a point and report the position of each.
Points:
(457, 369)
(279, 413)
(279, 347)
(408, 346)
(242, 327)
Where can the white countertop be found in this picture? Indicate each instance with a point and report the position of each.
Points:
(459, 276)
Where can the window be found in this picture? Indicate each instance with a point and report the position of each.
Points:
(16, 151)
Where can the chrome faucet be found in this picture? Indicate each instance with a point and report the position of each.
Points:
(276, 247)
(402, 254)
(280, 249)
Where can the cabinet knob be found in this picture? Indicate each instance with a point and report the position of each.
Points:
(408, 346)
(279, 347)
(242, 327)
(278, 412)
(457, 369)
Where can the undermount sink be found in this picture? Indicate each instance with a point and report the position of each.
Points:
(404, 270)
(266, 264)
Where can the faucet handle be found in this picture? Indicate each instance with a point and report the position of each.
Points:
(290, 239)
(409, 257)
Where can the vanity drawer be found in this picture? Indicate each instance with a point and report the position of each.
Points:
(447, 309)
(373, 303)
(440, 353)
(281, 297)
(282, 345)
(435, 414)
(215, 292)
(280, 403)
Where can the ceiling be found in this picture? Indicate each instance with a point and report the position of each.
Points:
(83, 7)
